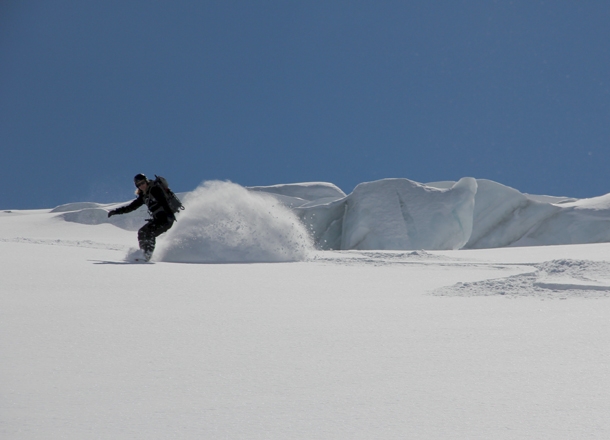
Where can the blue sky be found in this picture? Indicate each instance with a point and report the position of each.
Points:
(268, 92)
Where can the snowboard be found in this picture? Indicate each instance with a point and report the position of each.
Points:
(136, 256)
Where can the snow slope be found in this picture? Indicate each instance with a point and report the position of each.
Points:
(502, 343)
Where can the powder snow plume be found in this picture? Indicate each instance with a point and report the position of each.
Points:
(225, 223)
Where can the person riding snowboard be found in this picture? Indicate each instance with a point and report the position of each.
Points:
(162, 215)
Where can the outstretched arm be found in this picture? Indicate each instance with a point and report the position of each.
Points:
(129, 208)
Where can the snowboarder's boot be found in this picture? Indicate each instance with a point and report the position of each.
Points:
(147, 248)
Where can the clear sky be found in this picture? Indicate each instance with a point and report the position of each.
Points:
(268, 92)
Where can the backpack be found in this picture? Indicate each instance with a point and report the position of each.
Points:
(174, 202)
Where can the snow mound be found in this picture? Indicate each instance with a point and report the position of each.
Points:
(75, 206)
(225, 223)
(300, 194)
(88, 213)
(551, 279)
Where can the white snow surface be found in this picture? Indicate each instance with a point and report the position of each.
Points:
(302, 343)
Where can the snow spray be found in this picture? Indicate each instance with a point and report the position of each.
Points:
(225, 223)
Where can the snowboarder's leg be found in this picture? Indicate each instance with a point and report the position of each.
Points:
(148, 234)
(146, 240)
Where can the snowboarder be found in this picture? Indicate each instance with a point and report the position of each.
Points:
(162, 220)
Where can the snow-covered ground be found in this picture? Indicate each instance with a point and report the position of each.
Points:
(294, 342)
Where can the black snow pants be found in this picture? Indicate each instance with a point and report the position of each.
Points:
(147, 235)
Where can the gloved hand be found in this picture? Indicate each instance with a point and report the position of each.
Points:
(111, 213)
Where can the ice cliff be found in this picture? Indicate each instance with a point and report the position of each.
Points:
(403, 214)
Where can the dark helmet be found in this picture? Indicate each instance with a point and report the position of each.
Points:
(139, 178)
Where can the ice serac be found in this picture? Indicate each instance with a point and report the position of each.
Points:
(581, 221)
(503, 215)
(394, 214)
(402, 214)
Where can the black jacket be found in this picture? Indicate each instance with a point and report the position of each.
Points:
(155, 200)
